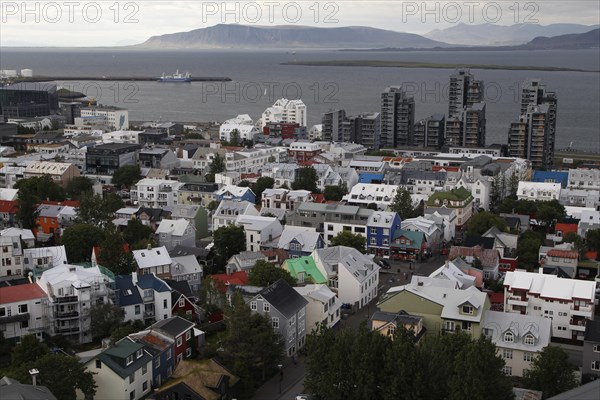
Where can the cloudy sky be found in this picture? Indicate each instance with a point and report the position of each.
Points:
(75, 23)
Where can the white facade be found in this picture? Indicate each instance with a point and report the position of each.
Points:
(11, 256)
(284, 110)
(155, 193)
(259, 230)
(115, 118)
(251, 161)
(586, 179)
(244, 126)
(568, 302)
(22, 311)
(544, 191)
(130, 137)
(228, 211)
(364, 194)
(323, 306)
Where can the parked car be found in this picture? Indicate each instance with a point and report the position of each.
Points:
(383, 263)
(444, 251)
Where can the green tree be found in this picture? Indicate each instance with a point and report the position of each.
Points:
(513, 186)
(403, 204)
(126, 330)
(496, 191)
(483, 221)
(28, 351)
(262, 183)
(550, 372)
(264, 274)
(251, 348)
(32, 191)
(579, 243)
(105, 318)
(349, 239)
(306, 179)
(78, 186)
(112, 202)
(244, 183)
(96, 210)
(212, 206)
(235, 138)
(334, 192)
(592, 238)
(228, 241)
(126, 176)
(528, 249)
(79, 240)
(548, 212)
(136, 231)
(112, 252)
(217, 165)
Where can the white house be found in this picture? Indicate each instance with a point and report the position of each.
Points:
(363, 194)
(323, 305)
(568, 302)
(115, 118)
(228, 211)
(284, 110)
(259, 230)
(452, 273)
(130, 137)
(445, 219)
(353, 275)
(11, 256)
(155, 193)
(22, 311)
(243, 124)
(175, 232)
(432, 232)
(544, 191)
(153, 261)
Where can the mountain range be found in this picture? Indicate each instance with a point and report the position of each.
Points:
(502, 35)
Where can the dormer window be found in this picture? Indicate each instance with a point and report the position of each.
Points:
(467, 310)
(509, 337)
(139, 353)
(129, 360)
(529, 339)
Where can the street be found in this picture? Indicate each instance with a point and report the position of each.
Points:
(291, 384)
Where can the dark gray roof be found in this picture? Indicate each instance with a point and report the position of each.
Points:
(485, 242)
(149, 281)
(180, 287)
(284, 298)
(589, 391)
(401, 316)
(180, 251)
(12, 389)
(592, 331)
(173, 326)
(115, 357)
(128, 292)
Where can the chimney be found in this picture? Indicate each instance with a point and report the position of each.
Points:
(134, 278)
(34, 373)
(149, 247)
(447, 265)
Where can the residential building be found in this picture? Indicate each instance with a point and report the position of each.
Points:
(228, 211)
(284, 110)
(408, 245)
(460, 200)
(113, 117)
(201, 194)
(299, 241)
(352, 275)
(155, 193)
(363, 194)
(585, 179)
(182, 301)
(105, 159)
(488, 260)
(187, 268)
(560, 260)
(364, 129)
(22, 312)
(259, 230)
(304, 270)
(381, 226)
(518, 338)
(129, 297)
(122, 371)
(153, 261)
(303, 151)
(333, 125)
(157, 158)
(452, 272)
(284, 131)
(464, 91)
(542, 191)
(397, 117)
(72, 290)
(568, 302)
(287, 310)
(445, 220)
(122, 136)
(181, 332)
(467, 128)
(156, 297)
(175, 232)
(323, 306)
(8, 213)
(11, 256)
(231, 192)
(39, 259)
(242, 126)
(253, 161)
(430, 132)
(13, 389)
(443, 309)
(591, 349)
(387, 323)
(61, 173)
(433, 234)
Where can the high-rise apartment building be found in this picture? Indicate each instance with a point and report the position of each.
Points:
(397, 117)
(465, 125)
(429, 132)
(332, 125)
(364, 129)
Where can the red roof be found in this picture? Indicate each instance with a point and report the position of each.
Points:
(97, 250)
(318, 197)
(563, 253)
(8, 206)
(13, 294)
(566, 228)
(437, 168)
(224, 280)
(496, 298)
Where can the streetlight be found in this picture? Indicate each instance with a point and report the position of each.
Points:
(280, 376)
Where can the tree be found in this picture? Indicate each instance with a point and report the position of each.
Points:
(112, 253)
(548, 212)
(403, 204)
(29, 350)
(212, 206)
(217, 165)
(127, 329)
(136, 231)
(235, 138)
(497, 191)
(265, 274)
(244, 183)
(483, 221)
(306, 179)
(96, 210)
(31, 192)
(251, 348)
(528, 249)
(513, 186)
(79, 240)
(105, 319)
(592, 238)
(112, 202)
(550, 372)
(262, 183)
(228, 241)
(126, 176)
(334, 192)
(349, 239)
(78, 186)
(579, 243)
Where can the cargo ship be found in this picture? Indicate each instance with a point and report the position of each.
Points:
(176, 77)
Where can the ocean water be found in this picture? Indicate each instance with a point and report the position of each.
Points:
(259, 79)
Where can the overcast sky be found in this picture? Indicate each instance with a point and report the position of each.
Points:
(75, 23)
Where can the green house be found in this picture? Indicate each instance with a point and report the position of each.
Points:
(304, 270)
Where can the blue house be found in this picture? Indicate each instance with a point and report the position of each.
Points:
(230, 192)
(380, 230)
(561, 177)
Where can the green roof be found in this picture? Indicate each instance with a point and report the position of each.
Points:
(460, 194)
(124, 349)
(307, 265)
(415, 237)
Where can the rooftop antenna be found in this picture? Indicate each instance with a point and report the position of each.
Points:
(34, 373)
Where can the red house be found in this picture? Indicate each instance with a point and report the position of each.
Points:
(181, 331)
(8, 213)
(222, 281)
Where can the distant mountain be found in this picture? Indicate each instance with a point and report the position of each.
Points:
(287, 37)
(586, 40)
(500, 35)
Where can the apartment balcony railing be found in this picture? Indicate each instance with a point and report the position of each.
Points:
(66, 299)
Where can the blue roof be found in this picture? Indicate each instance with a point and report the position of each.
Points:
(561, 177)
(128, 293)
(366, 177)
(152, 282)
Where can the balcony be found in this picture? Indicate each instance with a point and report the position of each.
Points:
(149, 314)
(517, 301)
(149, 298)
(577, 325)
(14, 318)
(583, 311)
(67, 329)
(67, 315)
(66, 299)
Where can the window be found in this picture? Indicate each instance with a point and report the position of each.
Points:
(157, 363)
(275, 322)
(132, 378)
(467, 310)
(529, 339)
(509, 337)
(132, 395)
(188, 352)
(137, 310)
(139, 353)
(129, 360)
(165, 303)
(2, 312)
(182, 302)
(527, 356)
(507, 370)
(266, 307)
(188, 335)
(373, 231)
(596, 348)
(595, 365)
(22, 308)
(373, 241)
(98, 364)
(253, 306)
(179, 341)
(169, 355)
(391, 330)
(507, 353)
(145, 386)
